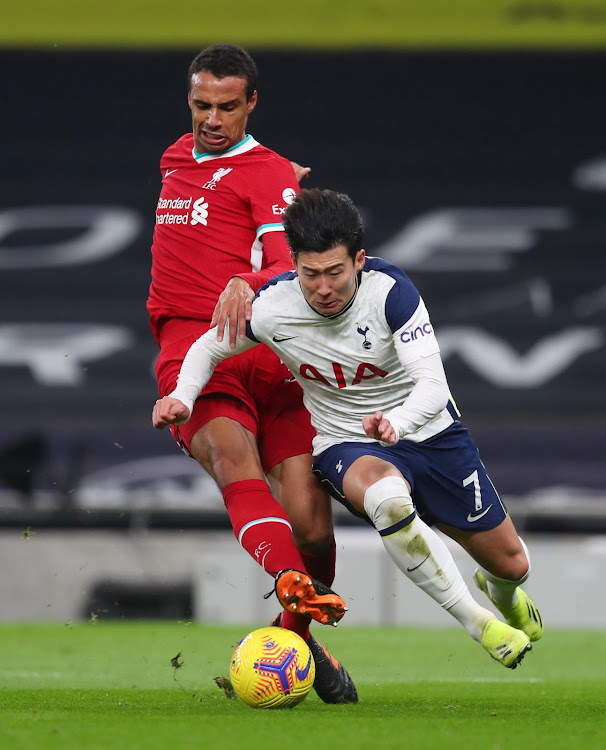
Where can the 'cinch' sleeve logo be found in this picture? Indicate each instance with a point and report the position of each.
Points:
(407, 336)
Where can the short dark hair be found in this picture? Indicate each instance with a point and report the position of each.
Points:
(224, 60)
(319, 220)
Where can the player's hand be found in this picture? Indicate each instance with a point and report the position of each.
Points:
(235, 305)
(168, 410)
(300, 172)
(379, 428)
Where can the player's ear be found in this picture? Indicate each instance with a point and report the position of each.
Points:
(252, 102)
(360, 260)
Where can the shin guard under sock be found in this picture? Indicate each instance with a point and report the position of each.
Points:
(261, 526)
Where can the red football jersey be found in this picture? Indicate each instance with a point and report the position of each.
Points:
(218, 216)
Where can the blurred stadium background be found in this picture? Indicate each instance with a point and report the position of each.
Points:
(471, 134)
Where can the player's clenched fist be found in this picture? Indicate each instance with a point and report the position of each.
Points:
(379, 428)
(168, 410)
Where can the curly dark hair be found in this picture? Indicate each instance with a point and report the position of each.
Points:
(224, 60)
(319, 220)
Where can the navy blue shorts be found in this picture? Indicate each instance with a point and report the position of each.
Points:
(448, 479)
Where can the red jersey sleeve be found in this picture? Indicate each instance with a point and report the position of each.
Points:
(276, 254)
(270, 192)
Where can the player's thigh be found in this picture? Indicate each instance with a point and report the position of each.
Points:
(285, 429)
(226, 395)
(230, 377)
(227, 451)
(497, 550)
(308, 506)
(362, 474)
(346, 470)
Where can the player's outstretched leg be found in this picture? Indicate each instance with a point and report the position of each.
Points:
(504, 643)
(523, 614)
(332, 682)
(300, 593)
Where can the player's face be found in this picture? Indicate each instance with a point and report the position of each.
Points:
(328, 280)
(219, 111)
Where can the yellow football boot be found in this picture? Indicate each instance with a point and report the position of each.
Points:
(524, 615)
(504, 643)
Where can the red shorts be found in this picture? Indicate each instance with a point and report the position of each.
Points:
(253, 388)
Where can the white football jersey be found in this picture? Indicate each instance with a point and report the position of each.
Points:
(350, 364)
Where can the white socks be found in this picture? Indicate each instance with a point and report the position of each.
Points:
(503, 592)
(421, 554)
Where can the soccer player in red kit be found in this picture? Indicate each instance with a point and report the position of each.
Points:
(218, 238)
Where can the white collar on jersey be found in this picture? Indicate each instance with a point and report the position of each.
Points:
(246, 144)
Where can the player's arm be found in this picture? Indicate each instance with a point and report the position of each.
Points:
(419, 355)
(267, 196)
(269, 193)
(198, 366)
(276, 257)
(235, 302)
(429, 396)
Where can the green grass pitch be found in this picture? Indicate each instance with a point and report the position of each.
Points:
(111, 685)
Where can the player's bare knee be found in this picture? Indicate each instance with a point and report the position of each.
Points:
(525, 559)
(226, 464)
(312, 534)
(387, 502)
(314, 544)
(511, 566)
(516, 563)
(515, 569)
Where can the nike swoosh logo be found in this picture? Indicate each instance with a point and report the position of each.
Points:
(286, 338)
(471, 518)
(417, 566)
(169, 171)
(302, 673)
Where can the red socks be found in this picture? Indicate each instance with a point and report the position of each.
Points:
(261, 526)
(321, 567)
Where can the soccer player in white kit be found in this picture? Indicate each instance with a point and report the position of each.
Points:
(390, 446)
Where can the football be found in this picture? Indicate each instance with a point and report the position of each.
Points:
(272, 668)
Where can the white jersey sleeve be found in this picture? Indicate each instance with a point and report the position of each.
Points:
(419, 353)
(200, 361)
(428, 397)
